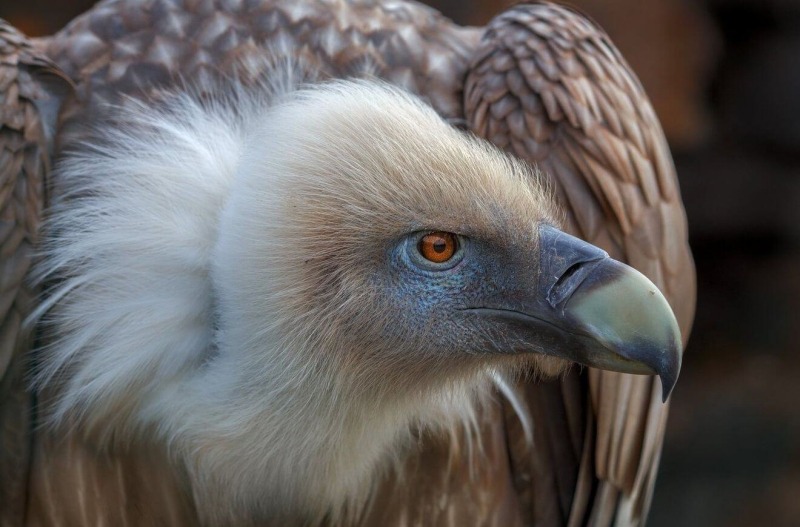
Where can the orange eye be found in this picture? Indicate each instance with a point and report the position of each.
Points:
(438, 247)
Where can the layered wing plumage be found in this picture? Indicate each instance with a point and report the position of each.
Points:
(549, 86)
(31, 88)
(132, 47)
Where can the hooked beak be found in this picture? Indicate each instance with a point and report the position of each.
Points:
(597, 311)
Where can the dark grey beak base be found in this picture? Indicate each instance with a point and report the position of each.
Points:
(599, 312)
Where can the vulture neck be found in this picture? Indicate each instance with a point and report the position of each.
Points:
(309, 441)
(261, 425)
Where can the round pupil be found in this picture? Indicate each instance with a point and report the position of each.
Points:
(439, 245)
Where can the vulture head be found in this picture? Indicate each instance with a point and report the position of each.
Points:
(279, 289)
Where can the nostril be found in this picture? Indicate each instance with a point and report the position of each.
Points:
(568, 273)
(565, 262)
(569, 280)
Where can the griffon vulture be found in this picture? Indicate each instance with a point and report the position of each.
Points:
(269, 297)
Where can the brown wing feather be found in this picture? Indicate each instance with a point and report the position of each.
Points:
(30, 88)
(549, 86)
(132, 47)
(74, 484)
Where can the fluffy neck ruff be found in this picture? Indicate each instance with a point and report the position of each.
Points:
(203, 303)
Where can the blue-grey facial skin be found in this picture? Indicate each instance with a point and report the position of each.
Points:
(551, 295)
(435, 298)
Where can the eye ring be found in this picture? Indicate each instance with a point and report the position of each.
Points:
(438, 247)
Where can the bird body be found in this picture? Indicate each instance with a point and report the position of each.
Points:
(241, 326)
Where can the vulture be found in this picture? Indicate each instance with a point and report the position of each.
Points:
(333, 262)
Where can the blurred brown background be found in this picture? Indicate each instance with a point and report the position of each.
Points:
(724, 76)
